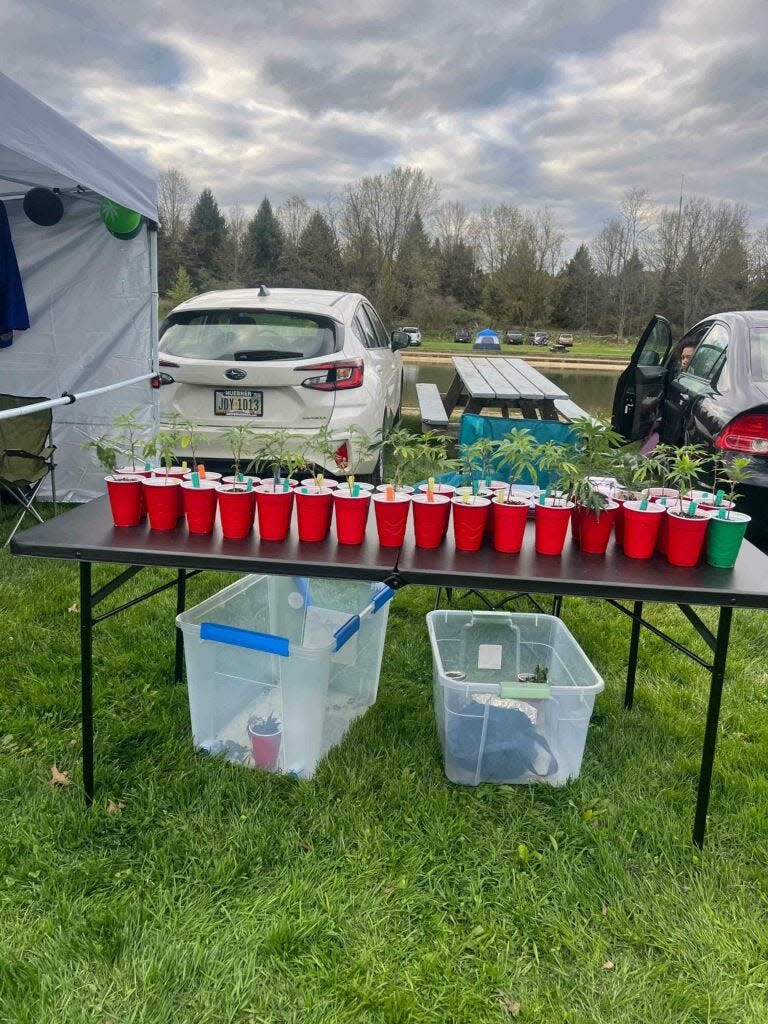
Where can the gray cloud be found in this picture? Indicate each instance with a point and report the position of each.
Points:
(532, 104)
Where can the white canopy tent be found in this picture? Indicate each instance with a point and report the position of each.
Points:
(92, 297)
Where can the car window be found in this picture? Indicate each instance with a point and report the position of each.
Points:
(709, 358)
(655, 346)
(379, 328)
(364, 330)
(758, 352)
(247, 335)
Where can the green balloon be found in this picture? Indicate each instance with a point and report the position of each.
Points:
(119, 221)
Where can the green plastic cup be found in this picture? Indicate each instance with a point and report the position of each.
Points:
(724, 538)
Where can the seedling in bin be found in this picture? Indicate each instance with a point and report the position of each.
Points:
(264, 726)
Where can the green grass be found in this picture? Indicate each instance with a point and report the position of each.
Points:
(378, 892)
(585, 346)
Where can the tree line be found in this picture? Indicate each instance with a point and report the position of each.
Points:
(440, 265)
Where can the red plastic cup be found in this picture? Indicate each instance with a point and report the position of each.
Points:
(161, 498)
(265, 749)
(314, 507)
(469, 520)
(391, 518)
(236, 511)
(641, 528)
(200, 505)
(274, 508)
(551, 525)
(430, 519)
(125, 499)
(685, 537)
(447, 490)
(140, 472)
(509, 526)
(351, 516)
(593, 528)
(175, 473)
(661, 541)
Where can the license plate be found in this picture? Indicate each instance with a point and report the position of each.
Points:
(238, 402)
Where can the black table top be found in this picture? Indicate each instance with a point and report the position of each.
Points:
(86, 534)
(612, 575)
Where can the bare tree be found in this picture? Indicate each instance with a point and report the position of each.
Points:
(294, 216)
(174, 200)
(453, 224)
(496, 231)
(617, 256)
(230, 257)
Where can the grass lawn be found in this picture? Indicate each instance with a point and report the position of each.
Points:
(585, 345)
(378, 892)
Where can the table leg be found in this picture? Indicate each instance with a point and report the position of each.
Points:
(634, 643)
(181, 597)
(86, 678)
(557, 605)
(710, 731)
(453, 394)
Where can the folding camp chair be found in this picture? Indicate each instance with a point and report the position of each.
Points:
(26, 456)
(473, 427)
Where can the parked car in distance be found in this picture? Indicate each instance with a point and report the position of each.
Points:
(462, 335)
(486, 341)
(538, 338)
(709, 388)
(566, 340)
(513, 338)
(290, 357)
(413, 333)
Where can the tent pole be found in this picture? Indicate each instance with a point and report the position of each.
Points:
(68, 399)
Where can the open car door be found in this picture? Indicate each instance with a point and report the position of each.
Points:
(637, 401)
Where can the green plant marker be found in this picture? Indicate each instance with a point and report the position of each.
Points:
(285, 485)
(474, 488)
(195, 479)
(721, 513)
(147, 467)
(543, 496)
(239, 477)
(644, 505)
(249, 484)
(719, 497)
(356, 491)
(691, 510)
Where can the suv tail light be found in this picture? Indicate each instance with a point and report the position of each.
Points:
(161, 378)
(335, 376)
(748, 433)
(341, 455)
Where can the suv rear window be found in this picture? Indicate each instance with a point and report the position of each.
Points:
(758, 346)
(248, 335)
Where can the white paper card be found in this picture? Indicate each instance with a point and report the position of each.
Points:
(489, 656)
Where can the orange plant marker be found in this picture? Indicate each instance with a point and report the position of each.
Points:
(390, 492)
(201, 470)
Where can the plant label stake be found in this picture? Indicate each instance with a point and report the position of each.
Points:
(148, 467)
(184, 465)
(644, 505)
(351, 481)
(543, 496)
(201, 470)
(195, 479)
(719, 497)
(692, 509)
(240, 477)
(465, 499)
(249, 485)
(319, 480)
(721, 513)
(431, 489)
(390, 492)
(286, 486)
(355, 492)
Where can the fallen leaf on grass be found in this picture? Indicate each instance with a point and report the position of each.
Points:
(58, 778)
(388, 889)
(608, 965)
(604, 909)
(73, 609)
(509, 1005)
(114, 808)
(306, 847)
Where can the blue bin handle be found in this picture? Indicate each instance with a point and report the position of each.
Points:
(381, 597)
(245, 638)
(343, 633)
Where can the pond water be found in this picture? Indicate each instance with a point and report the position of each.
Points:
(591, 389)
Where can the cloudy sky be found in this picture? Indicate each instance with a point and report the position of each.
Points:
(533, 103)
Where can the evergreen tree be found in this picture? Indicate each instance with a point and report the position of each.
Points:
(415, 268)
(204, 236)
(576, 293)
(457, 273)
(181, 289)
(264, 244)
(318, 259)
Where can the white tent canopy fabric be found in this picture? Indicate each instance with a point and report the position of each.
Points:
(40, 147)
(92, 298)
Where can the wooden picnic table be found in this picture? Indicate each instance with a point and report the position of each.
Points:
(482, 382)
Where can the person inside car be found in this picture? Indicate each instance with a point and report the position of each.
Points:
(684, 357)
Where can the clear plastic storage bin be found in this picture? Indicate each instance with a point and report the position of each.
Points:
(278, 667)
(513, 696)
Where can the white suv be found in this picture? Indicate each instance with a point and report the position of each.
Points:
(285, 357)
(414, 334)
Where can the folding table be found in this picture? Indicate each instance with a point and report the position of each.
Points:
(86, 535)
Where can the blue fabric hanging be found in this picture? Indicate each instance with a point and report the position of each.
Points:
(13, 305)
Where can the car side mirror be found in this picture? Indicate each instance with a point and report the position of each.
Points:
(400, 339)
